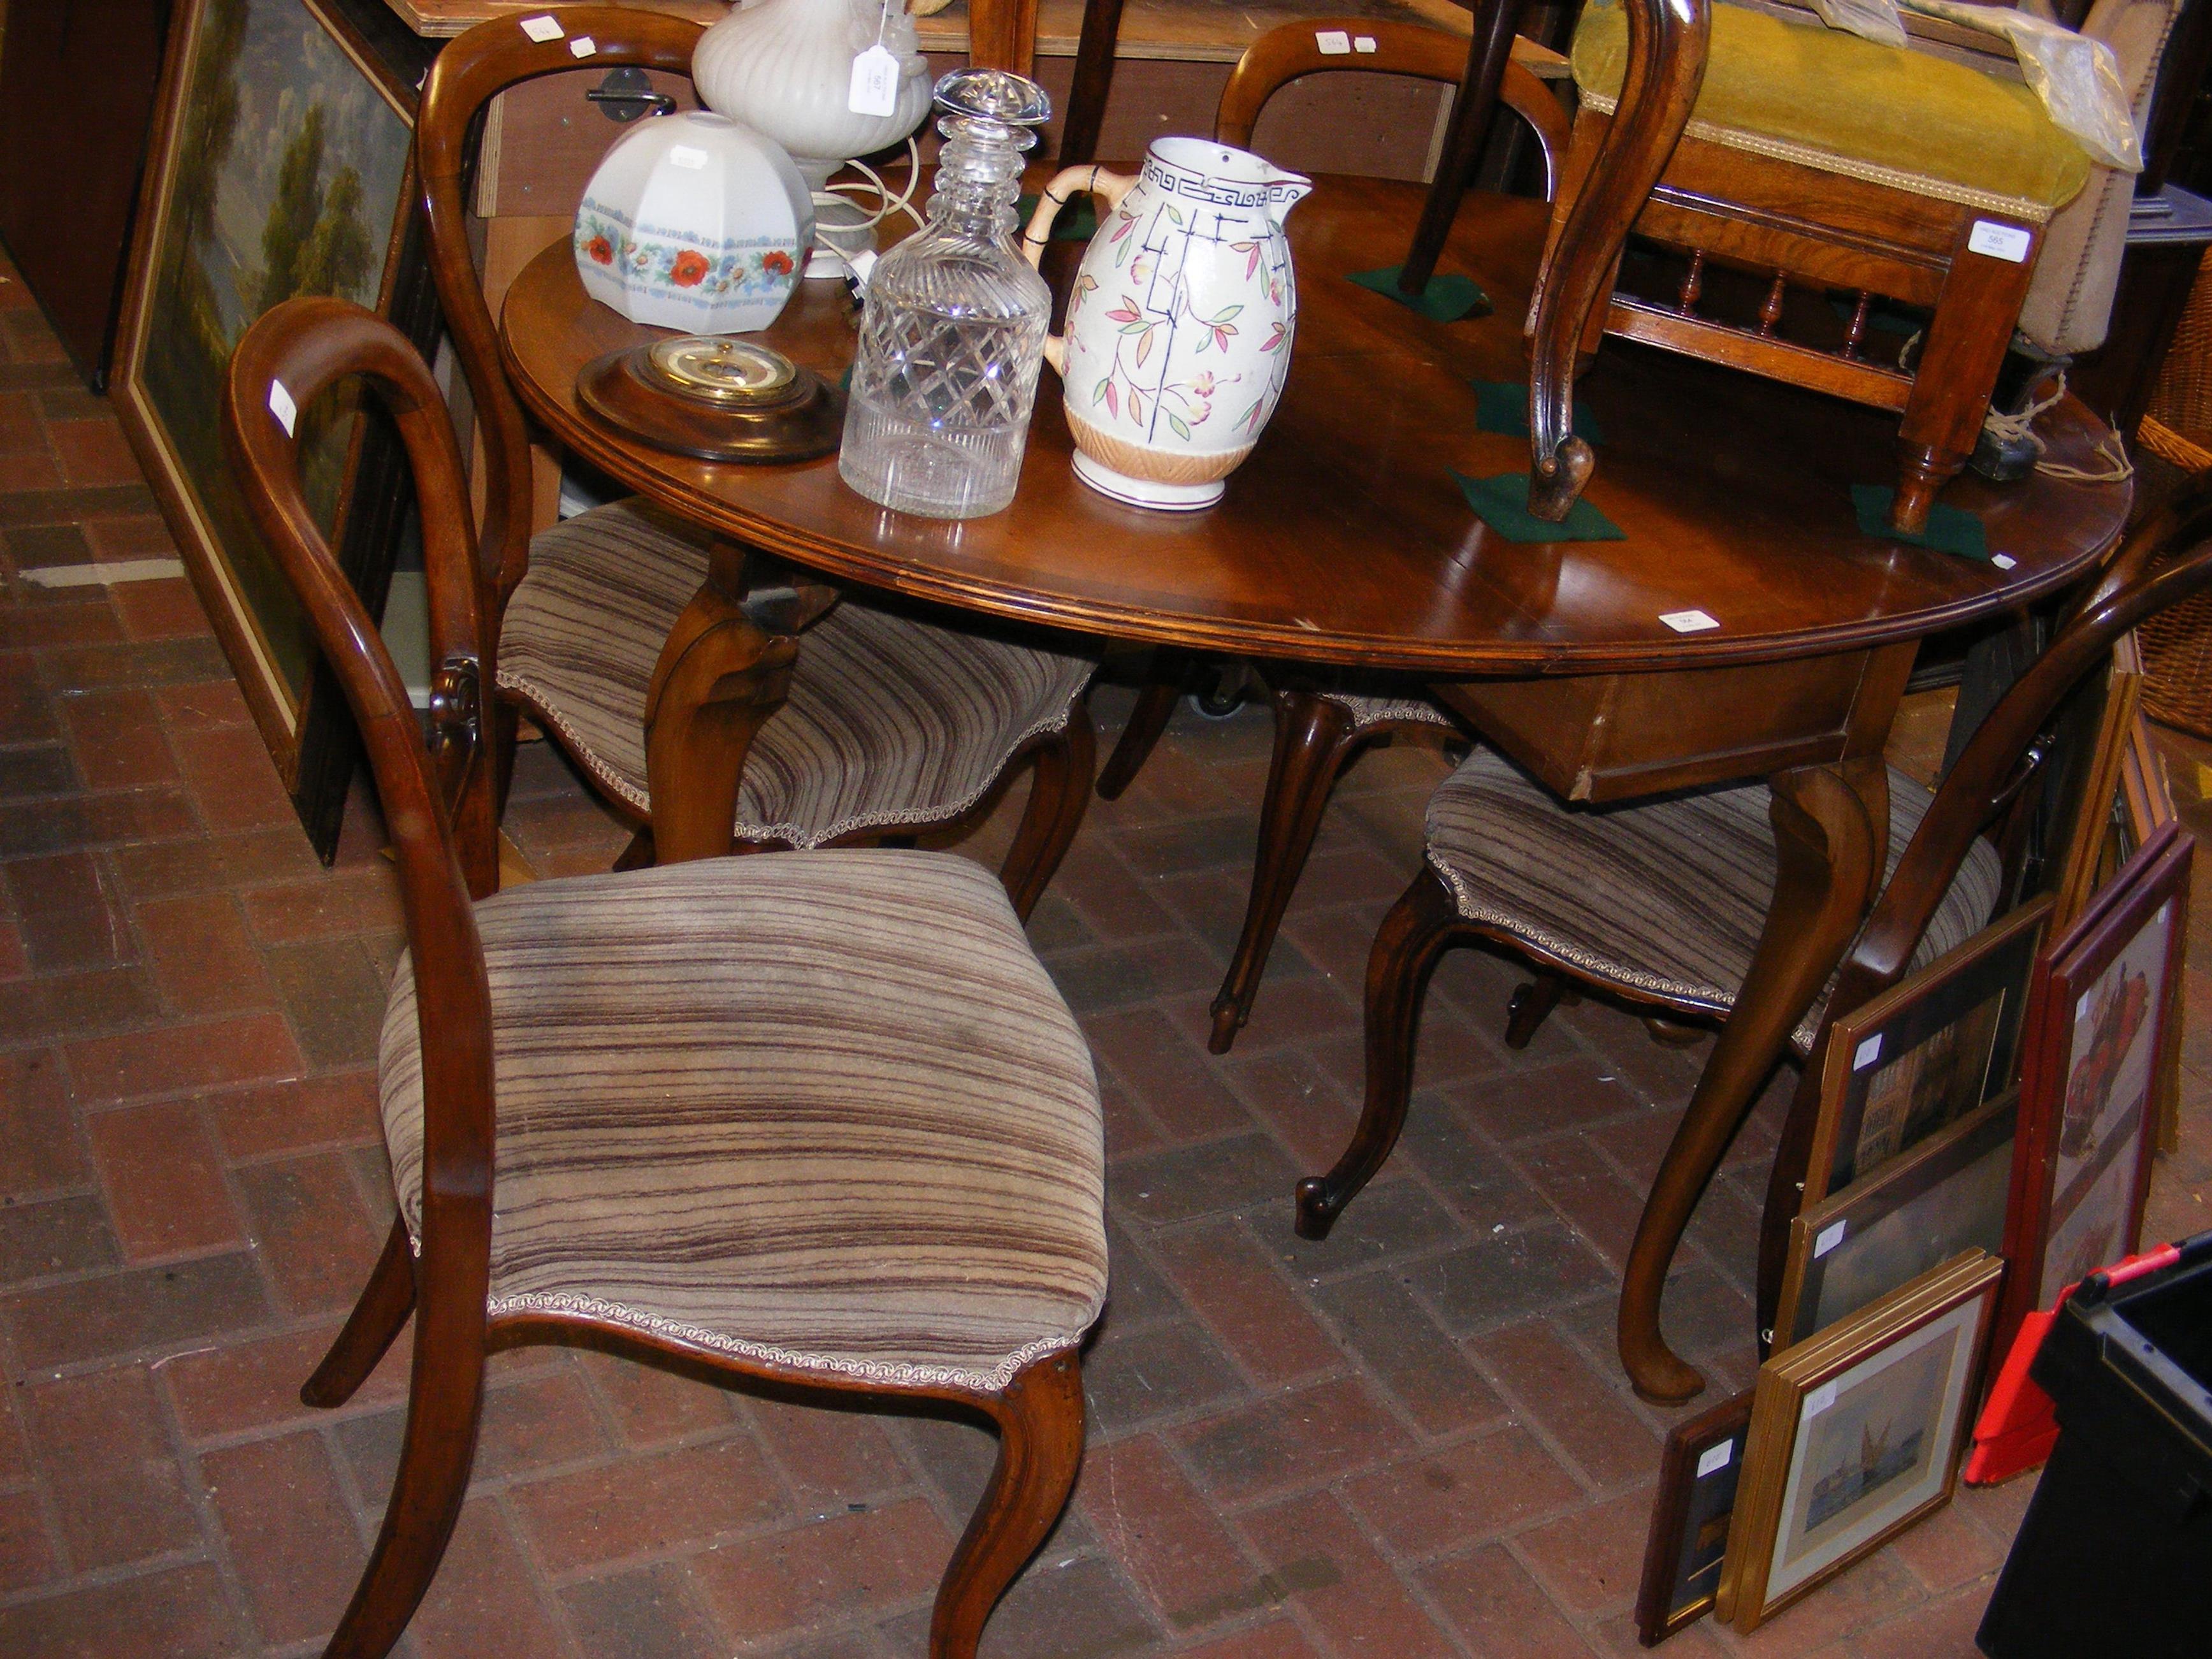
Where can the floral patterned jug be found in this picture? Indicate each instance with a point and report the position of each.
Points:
(1179, 329)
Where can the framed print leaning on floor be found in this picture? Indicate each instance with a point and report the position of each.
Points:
(1855, 1436)
(1688, 1537)
(279, 167)
(1941, 1043)
(2101, 1029)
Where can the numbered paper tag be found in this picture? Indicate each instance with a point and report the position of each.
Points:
(1869, 1052)
(875, 82)
(1363, 43)
(1716, 1457)
(1830, 1236)
(1332, 43)
(2003, 561)
(1820, 1400)
(1689, 622)
(542, 29)
(582, 46)
(684, 155)
(2007, 242)
(282, 407)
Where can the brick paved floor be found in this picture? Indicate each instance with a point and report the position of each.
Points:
(1412, 1440)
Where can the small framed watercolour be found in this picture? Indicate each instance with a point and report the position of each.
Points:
(1682, 1554)
(1887, 1228)
(2100, 1027)
(1941, 1043)
(1855, 1436)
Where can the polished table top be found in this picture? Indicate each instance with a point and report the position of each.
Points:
(1345, 539)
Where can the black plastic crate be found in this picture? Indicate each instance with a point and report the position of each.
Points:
(2114, 1555)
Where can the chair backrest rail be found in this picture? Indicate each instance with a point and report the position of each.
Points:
(307, 346)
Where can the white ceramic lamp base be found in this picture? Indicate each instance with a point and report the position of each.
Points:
(1147, 492)
(841, 230)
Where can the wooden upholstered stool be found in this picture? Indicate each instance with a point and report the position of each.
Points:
(1816, 160)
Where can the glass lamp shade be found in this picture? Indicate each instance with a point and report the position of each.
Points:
(786, 68)
(695, 222)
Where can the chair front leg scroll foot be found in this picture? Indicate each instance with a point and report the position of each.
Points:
(1556, 482)
(1040, 1418)
(1321, 1199)
(1227, 1021)
(1406, 946)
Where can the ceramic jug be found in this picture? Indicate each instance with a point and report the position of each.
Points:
(1178, 331)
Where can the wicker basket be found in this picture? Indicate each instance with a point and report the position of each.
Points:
(2177, 645)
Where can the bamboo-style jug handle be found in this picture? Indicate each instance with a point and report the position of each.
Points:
(1108, 187)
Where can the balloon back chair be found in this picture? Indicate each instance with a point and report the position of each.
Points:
(632, 640)
(1663, 906)
(1321, 724)
(817, 1118)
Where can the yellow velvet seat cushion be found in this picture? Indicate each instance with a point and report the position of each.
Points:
(1825, 90)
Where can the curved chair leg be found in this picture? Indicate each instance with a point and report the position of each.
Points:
(1060, 791)
(639, 854)
(1531, 1003)
(1314, 739)
(1040, 1418)
(445, 1403)
(1406, 946)
(370, 1329)
(1155, 703)
(1830, 832)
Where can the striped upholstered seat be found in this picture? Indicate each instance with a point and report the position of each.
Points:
(822, 1110)
(1666, 897)
(890, 720)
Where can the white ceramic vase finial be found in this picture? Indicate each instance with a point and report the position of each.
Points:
(785, 67)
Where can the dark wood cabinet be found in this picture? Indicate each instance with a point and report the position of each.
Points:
(78, 80)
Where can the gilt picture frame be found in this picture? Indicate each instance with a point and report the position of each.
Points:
(1856, 1436)
(2102, 1032)
(280, 165)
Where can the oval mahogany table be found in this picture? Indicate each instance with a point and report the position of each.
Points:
(1345, 540)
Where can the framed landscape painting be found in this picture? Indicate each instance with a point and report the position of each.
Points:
(279, 167)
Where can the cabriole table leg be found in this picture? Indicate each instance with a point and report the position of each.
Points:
(719, 677)
(1831, 834)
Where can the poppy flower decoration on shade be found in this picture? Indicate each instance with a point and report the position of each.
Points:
(776, 262)
(600, 250)
(690, 268)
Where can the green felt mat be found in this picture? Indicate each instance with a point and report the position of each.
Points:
(1446, 299)
(1501, 503)
(1079, 218)
(1502, 406)
(1950, 528)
